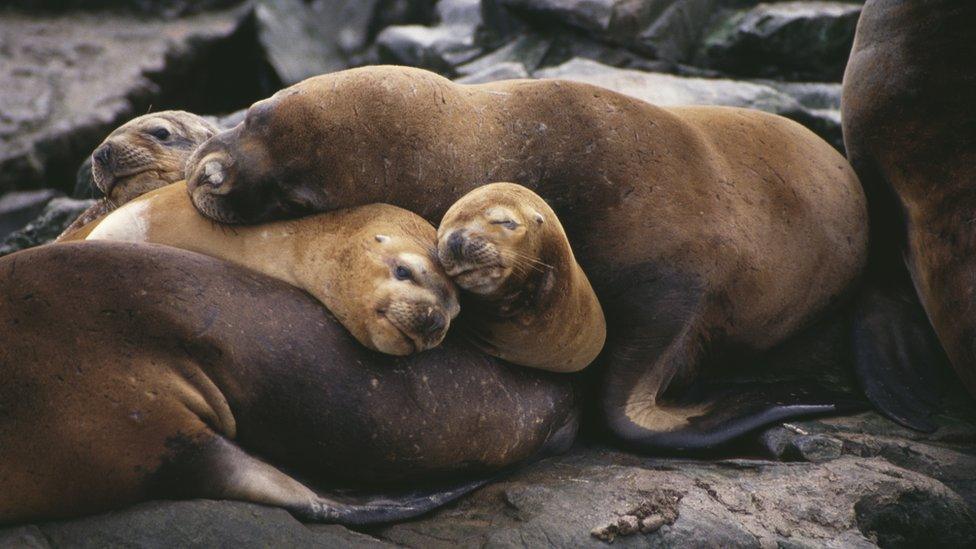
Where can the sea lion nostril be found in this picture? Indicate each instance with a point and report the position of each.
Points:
(455, 244)
(435, 324)
(213, 174)
(103, 155)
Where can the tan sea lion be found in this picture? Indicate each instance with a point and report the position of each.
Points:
(138, 371)
(910, 132)
(142, 155)
(374, 266)
(527, 300)
(704, 230)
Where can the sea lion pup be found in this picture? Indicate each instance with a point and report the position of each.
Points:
(704, 230)
(139, 371)
(142, 155)
(527, 301)
(374, 267)
(910, 132)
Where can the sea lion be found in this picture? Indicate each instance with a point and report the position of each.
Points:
(702, 229)
(137, 371)
(142, 155)
(527, 300)
(910, 133)
(374, 266)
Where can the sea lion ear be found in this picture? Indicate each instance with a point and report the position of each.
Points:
(538, 218)
(382, 238)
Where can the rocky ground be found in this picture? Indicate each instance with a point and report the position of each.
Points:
(72, 71)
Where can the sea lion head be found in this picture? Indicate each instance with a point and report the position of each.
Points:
(405, 299)
(243, 175)
(493, 237)
(146, 153)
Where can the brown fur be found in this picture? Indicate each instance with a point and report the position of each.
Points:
(137, 371)
(701, 228)
(140, 162)
(910, 131)
(345, 259)
(528, 301)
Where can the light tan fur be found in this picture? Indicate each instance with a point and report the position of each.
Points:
(528, 300)
(346, 259)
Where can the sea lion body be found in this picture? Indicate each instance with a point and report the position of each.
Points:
(351, 260)
(910, 132)
(136, 371)
(527, 300)
(144, 154)
(702, 229)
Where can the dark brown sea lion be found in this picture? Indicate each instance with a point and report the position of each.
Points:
(374, 267)
(136, 371)
(527, 300)
(910, 132)
(141, 155)
(702, 229)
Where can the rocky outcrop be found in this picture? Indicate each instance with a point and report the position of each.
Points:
(440, 48)
(17, 208)
(69, 79)
(795, 40)
(53, 220)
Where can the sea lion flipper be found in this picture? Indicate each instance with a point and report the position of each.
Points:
(708, 416)
(898, 359)
(218, 468)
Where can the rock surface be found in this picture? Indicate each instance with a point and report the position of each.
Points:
(53, 220)
(17, 208)
(802, 40)
(68, 80)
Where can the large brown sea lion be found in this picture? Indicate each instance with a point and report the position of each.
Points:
(910, 132)
(374, 266)
(527, 300)
(702, 229)
(135, 371)
(142, 155)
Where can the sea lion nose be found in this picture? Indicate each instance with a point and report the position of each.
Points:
(455, 244)
(103, 155)
(434, 325)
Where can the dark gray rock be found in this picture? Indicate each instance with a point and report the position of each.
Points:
(66, 81)
(788, 40)
(527, 51)
(163, 8)
(563, 501)
(300, 41)
(506, 70)
(200, 523)
(54, 219)
(440, 48)
(17, 208)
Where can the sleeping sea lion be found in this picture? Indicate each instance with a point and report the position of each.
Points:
(910, 133)
(374, 266)
(527, 300)
(137, 371)
(702, 229)
(142, 155)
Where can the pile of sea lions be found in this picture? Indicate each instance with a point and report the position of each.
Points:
(386, 280)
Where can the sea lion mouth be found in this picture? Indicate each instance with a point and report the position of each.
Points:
(414, 333)
(479, 279)
(107, 181)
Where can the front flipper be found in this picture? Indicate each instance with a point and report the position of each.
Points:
(898, 359)
(219, 469)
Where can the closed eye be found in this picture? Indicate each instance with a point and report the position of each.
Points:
(508, 224)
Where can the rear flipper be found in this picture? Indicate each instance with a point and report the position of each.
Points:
(219, 469)
(659, 400)
(898, 359)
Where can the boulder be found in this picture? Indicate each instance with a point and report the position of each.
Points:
(160, 8)
(300, 41)
(506, 70)
(67, 80)
(19, 207)
(53, 220)
(788, 40)
(439, 48)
